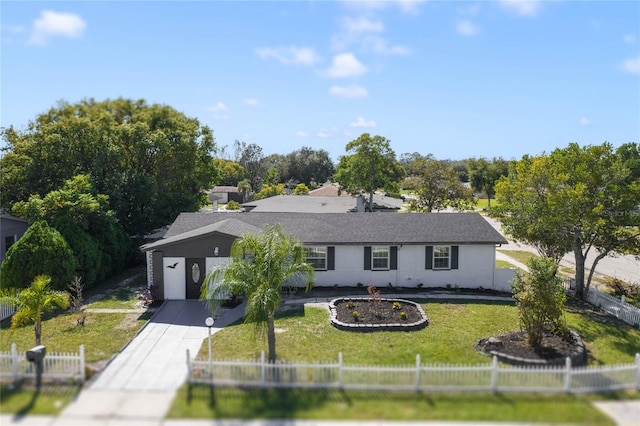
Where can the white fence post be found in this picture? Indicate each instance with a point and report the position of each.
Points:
(83, 373)
(637, 371)
(14, 362)
(340, 369)
(262, 368)
(418, 368)
(188, 367)
(567, 375)
(494, 375)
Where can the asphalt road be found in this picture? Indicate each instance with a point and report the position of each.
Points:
(625, 267)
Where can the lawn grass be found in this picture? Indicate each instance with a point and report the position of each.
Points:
(483, 203)
(450, 338)
(50, 400)
(201, 402)
(102, 335)
(504, 264)
(454, 329)
(123, 297)
(521, 256)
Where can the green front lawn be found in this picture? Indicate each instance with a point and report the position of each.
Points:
(202, 402)
(305, 334)
(102, 335)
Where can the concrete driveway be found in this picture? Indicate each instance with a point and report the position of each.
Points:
(156, 358)
(140, 383)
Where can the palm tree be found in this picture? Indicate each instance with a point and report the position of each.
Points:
(261, 264)
(33, 302)
(244, 188)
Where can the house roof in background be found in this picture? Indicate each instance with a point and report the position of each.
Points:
(222, 189)
(303, 204)
(341, 228)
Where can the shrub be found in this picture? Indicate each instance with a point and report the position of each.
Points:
(403, 315)
(233, 205)
(397, 306)
(540, 299)
(355, 315)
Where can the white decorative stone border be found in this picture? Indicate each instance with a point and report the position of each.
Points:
(333, 317)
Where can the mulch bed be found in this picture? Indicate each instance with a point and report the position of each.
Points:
(381, 312)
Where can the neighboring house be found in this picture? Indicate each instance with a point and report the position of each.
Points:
(321, 204)
(11, 229)
(402, 250)
(224, 194)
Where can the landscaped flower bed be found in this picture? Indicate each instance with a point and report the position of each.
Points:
(367, 314)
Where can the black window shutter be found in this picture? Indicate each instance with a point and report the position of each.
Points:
(394, 257)
(454, 257)
(367, 258)
(428, 258)
(331, 258)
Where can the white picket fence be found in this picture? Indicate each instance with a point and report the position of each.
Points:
(433, 378)
(56, 365)
(614, 306)
(6, 310)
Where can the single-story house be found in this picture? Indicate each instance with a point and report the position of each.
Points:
(224, 194)
(11, 229)
(403, 250)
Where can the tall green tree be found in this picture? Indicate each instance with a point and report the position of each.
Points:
(151, 160)
(310, 166)
(231, 172)
(34, 302)
(40, 251)
(369, 165)
(86, 223)
(261, 265)
(244, 188)
(438, 186)
(484, 174)
(577, 199)
(251, 157)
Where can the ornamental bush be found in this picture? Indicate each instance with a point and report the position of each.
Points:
(41, 251)
(540, 299)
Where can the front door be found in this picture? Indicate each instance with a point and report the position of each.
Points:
(195, 271)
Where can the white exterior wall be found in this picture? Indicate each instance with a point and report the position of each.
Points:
(174, 278)
(476, 268)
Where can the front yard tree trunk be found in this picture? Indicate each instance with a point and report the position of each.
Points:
(580, 260)
(38, 330)
(271, 339)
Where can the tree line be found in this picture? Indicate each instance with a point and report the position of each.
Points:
(98, 175)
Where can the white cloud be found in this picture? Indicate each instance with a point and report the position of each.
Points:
(467, 28)
(584, 121)
(406, 6)
(365, 33)
(351, 91)
(361, 122)
(346, 65)
(252, 102)
(54, 24)
(323, 134)
(219, 111)
(362, 24)
(290, 55)
(632, 65)
(629, 38)
(522, 7)
(302, 134)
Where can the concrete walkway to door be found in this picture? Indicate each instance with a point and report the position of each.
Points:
(141, 381)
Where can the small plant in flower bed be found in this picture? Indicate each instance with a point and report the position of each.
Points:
(397, 306)
(355, 315)
(350, 304)
(403, 315)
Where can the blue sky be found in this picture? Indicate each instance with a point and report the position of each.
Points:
(455, 79)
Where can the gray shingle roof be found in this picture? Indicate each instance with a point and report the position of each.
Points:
(342, 228)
